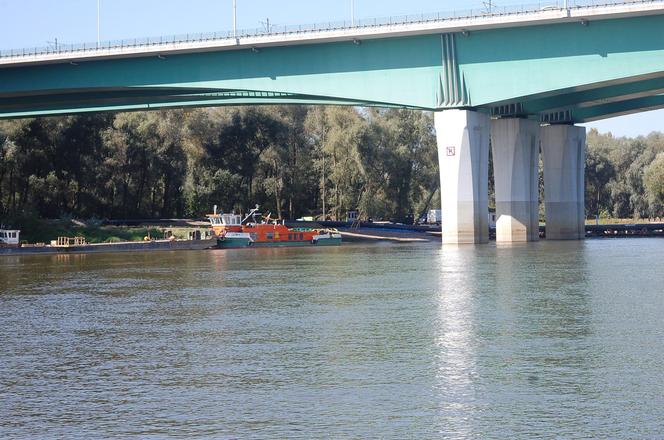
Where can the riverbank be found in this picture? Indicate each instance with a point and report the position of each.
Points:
(414, 233)
(180, 234)
(359, 235)
(36, 231)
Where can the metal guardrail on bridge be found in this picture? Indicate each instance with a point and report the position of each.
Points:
(276, 30)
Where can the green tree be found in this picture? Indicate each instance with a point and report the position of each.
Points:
(392, 158)
(654, 185)
(338, 133)
(599, 172)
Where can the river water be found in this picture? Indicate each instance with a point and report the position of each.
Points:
(544, 340)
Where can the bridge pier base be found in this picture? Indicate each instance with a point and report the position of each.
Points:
(515, 147)
(463, 156)
(563, 156)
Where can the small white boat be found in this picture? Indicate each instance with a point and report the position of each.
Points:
(9, 237)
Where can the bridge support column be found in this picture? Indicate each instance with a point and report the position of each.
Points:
(515, 147)
(463, 156)
(564, 156)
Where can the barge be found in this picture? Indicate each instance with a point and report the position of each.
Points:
(129, 246)
(232, 231)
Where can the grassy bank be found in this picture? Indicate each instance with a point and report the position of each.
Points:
(34, 230)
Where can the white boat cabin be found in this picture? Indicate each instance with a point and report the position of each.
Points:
(226, 220)
(9, 237)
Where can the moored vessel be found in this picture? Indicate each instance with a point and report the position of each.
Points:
(9, 238)
(234, 231)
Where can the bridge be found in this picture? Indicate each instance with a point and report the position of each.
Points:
(520, 77)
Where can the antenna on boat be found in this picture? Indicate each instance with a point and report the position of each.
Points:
(251, 214)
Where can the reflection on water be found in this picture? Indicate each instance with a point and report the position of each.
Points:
(523, 341)
(457, 340)
(508, 315)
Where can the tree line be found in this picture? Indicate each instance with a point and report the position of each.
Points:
(292, 160)
(624, 176)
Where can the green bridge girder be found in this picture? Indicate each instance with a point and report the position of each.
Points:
(568, 72)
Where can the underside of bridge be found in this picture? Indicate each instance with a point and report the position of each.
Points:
(518, 89)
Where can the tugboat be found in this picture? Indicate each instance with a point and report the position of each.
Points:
(254, 230)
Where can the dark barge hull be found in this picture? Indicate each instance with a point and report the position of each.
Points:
(138, 246)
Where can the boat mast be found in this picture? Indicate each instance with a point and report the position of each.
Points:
(250, 215)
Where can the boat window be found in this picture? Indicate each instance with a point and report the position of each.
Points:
(269, 236)
(290, 236)
(301, 236)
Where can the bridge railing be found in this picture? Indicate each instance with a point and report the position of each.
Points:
(276, 30)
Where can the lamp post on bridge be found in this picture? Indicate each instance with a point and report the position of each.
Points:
(98, 1)
(53, 43)
(352, 13)
(235, 19)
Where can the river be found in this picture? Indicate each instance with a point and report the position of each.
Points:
(542, 340)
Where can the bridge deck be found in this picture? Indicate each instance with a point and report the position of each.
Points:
(421, 24)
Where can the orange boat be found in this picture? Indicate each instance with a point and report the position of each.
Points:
(232, 231)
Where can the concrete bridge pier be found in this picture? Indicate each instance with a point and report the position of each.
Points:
(463, 156)
(563, 157)
(515, 147)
